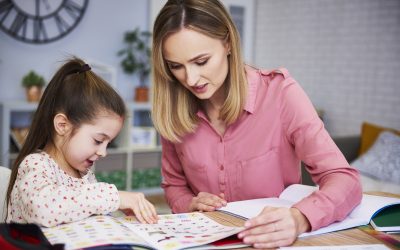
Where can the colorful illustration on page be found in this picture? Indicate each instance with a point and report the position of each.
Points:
(93, 231)
(178, 231)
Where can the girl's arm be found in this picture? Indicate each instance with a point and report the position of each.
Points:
(46, 200)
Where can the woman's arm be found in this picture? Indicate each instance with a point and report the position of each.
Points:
(339, 186)
(174, 182)
(177, 189)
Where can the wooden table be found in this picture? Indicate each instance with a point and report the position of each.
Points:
(352, 236)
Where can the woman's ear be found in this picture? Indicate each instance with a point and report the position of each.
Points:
(62, 126)
(227, 45)
(228, 48)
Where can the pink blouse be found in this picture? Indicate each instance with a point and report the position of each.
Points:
(46, 195)
(259, 155)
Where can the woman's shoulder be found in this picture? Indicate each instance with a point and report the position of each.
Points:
(280, 72)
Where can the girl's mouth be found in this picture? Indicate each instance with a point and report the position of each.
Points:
(90, 162)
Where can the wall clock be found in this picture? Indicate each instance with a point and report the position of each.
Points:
(40, 21)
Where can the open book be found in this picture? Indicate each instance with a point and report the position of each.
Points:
(174, 231)
(387, 220)
(370, 206)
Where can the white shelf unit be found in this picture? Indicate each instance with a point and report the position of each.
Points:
(7, 110)
(123, 152)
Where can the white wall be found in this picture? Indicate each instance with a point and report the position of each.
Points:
(344, 53)
(97, 37)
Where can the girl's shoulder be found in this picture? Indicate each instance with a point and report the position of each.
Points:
(37, 158)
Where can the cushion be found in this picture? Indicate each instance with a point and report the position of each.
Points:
(370, 184)
(369, 133)
(382, 160)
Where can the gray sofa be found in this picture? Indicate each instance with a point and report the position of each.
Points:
(349, 145)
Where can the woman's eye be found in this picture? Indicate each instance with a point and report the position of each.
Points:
(201, 63)
(174, 66)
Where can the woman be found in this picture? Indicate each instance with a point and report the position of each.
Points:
(232, 132)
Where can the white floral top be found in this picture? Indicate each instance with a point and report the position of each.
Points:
(44, 194)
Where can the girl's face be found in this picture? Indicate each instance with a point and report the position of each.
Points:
(198, 62)
(90, 140)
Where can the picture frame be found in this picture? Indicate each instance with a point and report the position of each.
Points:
(143, 137)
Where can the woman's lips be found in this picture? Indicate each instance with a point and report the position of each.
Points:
(200, 88)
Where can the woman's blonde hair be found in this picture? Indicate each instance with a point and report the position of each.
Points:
(174, 107)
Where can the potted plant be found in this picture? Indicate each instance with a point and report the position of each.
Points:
(136, 60)
(33, 84)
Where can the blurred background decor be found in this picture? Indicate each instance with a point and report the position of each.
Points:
(136, 60)
(33, 84)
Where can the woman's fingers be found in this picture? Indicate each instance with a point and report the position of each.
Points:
(211, 200)
(207, 202)
(273, 227)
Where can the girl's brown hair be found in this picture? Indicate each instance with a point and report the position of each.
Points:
(174, 107)
(76, 92)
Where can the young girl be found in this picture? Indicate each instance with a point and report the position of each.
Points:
(51, 182)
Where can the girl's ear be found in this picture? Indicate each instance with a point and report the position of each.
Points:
(62, 126)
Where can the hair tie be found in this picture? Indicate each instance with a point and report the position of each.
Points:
(84, 68)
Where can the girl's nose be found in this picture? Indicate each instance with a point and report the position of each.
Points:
(102, 152)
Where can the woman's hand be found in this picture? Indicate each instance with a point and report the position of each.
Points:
(142, 208)
(274, 227)
(207, 202)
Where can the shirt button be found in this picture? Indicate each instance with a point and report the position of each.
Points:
(221, 167)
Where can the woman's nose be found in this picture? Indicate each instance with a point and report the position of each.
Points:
(192, 76)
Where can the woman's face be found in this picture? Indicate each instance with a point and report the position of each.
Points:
(198, 62)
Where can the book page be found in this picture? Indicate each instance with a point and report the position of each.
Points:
(345, 247)
(361, 215)
(250, 208)
(178, 231)
(93, 231)
(297, 192)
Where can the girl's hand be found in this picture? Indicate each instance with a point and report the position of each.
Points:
(142, 208)
(207, 202)
(274, 227)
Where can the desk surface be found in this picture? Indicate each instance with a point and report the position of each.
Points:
(345, 237)
(353, 236)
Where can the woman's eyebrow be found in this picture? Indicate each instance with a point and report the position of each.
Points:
(190, 60)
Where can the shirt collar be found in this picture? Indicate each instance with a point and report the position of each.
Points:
(253, 76)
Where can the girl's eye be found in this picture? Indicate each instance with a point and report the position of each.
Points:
(97, 142)
(202, 62)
